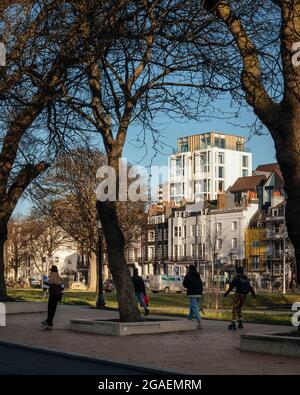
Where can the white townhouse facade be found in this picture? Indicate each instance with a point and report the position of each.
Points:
(207, 164)
(226, 232)
(207, 235)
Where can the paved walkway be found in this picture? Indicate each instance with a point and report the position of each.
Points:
(211, 350)
(12, 362)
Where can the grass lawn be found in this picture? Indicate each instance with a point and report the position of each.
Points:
(178, 304)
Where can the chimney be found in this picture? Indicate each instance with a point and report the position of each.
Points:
(222, 201)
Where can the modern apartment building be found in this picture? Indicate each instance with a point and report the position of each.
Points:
(207, 164)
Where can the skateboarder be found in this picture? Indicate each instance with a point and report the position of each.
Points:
(242, 287)
(55, 295)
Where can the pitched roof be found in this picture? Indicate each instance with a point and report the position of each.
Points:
(244, 184)
(270, 168)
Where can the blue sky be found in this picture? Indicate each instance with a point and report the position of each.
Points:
(262, 147)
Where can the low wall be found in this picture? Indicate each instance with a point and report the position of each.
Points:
(273, 343)
(117, 328)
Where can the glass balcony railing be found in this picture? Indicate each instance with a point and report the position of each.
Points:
(234, 147)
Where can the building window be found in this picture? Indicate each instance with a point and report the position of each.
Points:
(220, 141)
(150, 253)
(184, 147)
(221, 172)
(221, 186)
(176, 231)
(202, 233)
(245, 161)
(221, 158)
(245, 172)
(56, 259)
(234, 225)
(201, 251)
(234, 243)
(255, 243)
(151, 235)
(175, 251)
(255, 262)
(193, 230)
(219, 244)
(193, 250)
(184, 231)
(203, 159)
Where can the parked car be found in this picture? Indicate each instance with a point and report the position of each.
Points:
(109, 286)
(34, 283)
(166, 283)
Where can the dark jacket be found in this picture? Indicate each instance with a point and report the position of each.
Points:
(192, 281)
(55, 289)
(241, 284)
(139, 285)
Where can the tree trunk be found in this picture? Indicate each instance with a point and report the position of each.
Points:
(100, 301)
(287, 145)
(3, 237)
(16, 270)
(128, 308)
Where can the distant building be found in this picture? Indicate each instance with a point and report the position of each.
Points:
(163, 195)
(268, 247)
(155, 245)
(207, 164)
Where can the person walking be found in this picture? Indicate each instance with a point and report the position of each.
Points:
(55, 295)
(193, 283)
(140, 289)
(242, 287)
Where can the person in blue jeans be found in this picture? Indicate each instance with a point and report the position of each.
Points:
(193, 283)
(140, 289)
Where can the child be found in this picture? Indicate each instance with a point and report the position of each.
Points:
(242, 287)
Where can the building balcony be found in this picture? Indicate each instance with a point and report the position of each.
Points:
(228, 146)
(275, 218)
(275, 255)
(188, 258)
(201, 175)
(278, 234)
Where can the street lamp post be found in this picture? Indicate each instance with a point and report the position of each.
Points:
(100, 302)
(284, 260)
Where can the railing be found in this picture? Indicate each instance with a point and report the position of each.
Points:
(277, 233)
(233, 147)
(275, 255)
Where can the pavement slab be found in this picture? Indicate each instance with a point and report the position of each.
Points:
(210, 350)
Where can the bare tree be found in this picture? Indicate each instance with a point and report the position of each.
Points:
(41, 40)
(16, 247)
(143, 68)
(66, 195)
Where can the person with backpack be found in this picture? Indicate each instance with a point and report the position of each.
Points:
(192, 281)
(242, 287)
(140, 290)
(56, 288)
